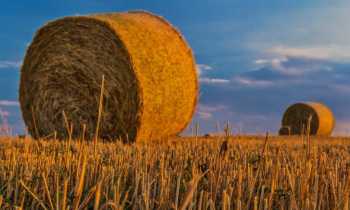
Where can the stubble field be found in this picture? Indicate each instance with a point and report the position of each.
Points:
(252, 172)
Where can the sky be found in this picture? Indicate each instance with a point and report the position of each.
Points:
(254, 58)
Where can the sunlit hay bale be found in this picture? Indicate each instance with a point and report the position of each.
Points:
(209, 135)
(151, 83)
(298, 114)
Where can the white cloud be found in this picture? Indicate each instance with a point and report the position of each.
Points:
(204, 115)
(205, 110)
(9, 103)
(278, 60)
(260, 61)
(202, 67)
(210, 108)
(252, 82)
(214, 80)
(329, 52)
(316, 32)
(312, 52)
(8, 64)
(277, 63)
(243, 80)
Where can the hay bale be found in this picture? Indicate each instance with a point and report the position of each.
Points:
(150, 86)
(209, 135)
(285, 131)
(298, 114)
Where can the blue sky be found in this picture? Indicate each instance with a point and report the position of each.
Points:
(254, 58)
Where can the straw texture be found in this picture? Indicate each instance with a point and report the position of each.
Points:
(151, 83)
(298, 114)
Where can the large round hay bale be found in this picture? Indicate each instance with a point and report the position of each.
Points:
(298, 114)
(151, 83)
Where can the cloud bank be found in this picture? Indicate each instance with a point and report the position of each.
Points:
(259, 97)
(9, 103)
(10, 64)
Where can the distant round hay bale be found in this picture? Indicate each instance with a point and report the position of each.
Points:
(209, 135)
(284, 131)
(151, 83)
(298, 114)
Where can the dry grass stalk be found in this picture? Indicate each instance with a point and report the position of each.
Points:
(4, 121)
(196, 134)
(191, 187)
(47, 190)
(34, 195)
(36, 130)
(99, 115)
(217, 128)
(81, 183)
(65, 188)
(98, 196)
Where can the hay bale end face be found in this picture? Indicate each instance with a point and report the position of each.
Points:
(151, 84)
(298, 114)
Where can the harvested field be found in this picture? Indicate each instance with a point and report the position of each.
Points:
(285, 173)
